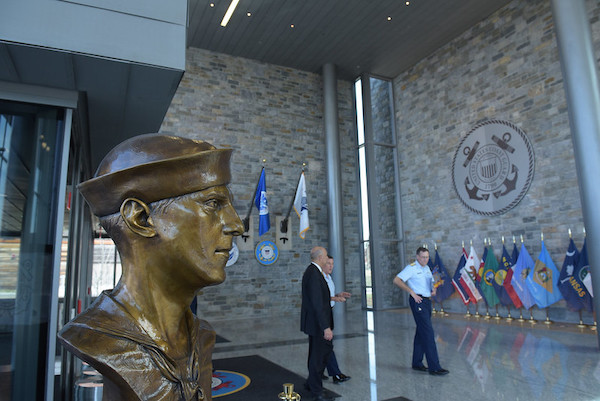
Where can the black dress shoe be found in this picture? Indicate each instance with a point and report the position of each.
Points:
(440, 372)
(340, 378)
(420, 368)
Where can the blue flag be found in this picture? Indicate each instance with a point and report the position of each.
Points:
(260, 200)
(464, 295)
(520, 273)
(505, 264)
(567, 284)
(515, 254)
(441, 280)
(543, 279)
(583, 278)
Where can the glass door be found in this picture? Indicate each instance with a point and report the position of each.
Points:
(32, 141)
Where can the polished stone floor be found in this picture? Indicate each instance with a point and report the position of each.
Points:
(488, 359)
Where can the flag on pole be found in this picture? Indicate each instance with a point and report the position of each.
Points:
(488, 277)
(260, 200)
(480, 271)
(301, 206)
(468, 276)
(567, 284)
(508, 263)
(515, 254)
(441, 280)
(583, 277)
(464, 295)
(542, 280)
(499, 278)
(521, 270)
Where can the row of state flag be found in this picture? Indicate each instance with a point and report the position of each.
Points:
(300, 205)
(517, 281)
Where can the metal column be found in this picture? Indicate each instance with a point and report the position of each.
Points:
(334, 183)
(573, 34)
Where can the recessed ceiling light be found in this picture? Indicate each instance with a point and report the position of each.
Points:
(389, 18)
(249, 14)
(212, 4)
(292, 26)
(408, 3)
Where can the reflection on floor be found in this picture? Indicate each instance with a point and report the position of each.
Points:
(487, 359)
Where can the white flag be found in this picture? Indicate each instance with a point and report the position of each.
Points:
(301, 206)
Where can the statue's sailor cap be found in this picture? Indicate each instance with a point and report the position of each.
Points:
(152, 167)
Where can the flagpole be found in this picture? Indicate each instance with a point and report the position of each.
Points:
(284, 222)
(468, 314)
(497, 317)
(531, 319)
(520, 319)
(547, 321)
(581, 325)
(509, 318)
(246, 220)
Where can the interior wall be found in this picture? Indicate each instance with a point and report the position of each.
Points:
(507, 68)
(269, 112)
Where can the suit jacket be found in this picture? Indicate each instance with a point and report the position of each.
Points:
(133, 366)
(315, 315)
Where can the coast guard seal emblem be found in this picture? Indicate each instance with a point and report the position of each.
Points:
(493, 167)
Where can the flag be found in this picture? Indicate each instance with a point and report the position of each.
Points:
(468, 275)
(480, 271)
(441, 280)
(508, 263)
(568, 286)
(260, 200)
(488, 276)
(301, 206)
(521, 270)
(515, 254)
(501, 273)
(464, 295)
(583, 277)
(542, 280)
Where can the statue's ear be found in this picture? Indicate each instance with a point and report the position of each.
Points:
(136, 215)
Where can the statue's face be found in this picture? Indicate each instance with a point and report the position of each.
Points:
(196, 233)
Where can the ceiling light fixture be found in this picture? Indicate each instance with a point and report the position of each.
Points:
(229, 12)
(249, 14)
(212, 5)
(292, 26)
(389, 18)
(408, 3)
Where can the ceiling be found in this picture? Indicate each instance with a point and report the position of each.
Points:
(355, 35)
(125, 99)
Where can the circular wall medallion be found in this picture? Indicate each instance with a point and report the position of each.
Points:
(234, 253)
(493, 167)
(266, 252)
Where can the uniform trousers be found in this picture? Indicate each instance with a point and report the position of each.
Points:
(424, 343)
(319, 350)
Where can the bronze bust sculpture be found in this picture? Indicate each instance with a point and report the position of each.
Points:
(164, 202)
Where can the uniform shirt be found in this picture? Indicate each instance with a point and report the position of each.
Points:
(331, 286)
(418, 278)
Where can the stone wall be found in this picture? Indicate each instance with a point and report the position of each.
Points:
(269, 112)
(506, 67)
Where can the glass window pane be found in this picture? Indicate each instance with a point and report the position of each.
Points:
(386, 192)
(381, 111)
(364, 195)
(106, 270)
(29, 137)
(360, 125)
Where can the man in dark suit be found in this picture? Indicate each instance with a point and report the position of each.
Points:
(317, 321)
